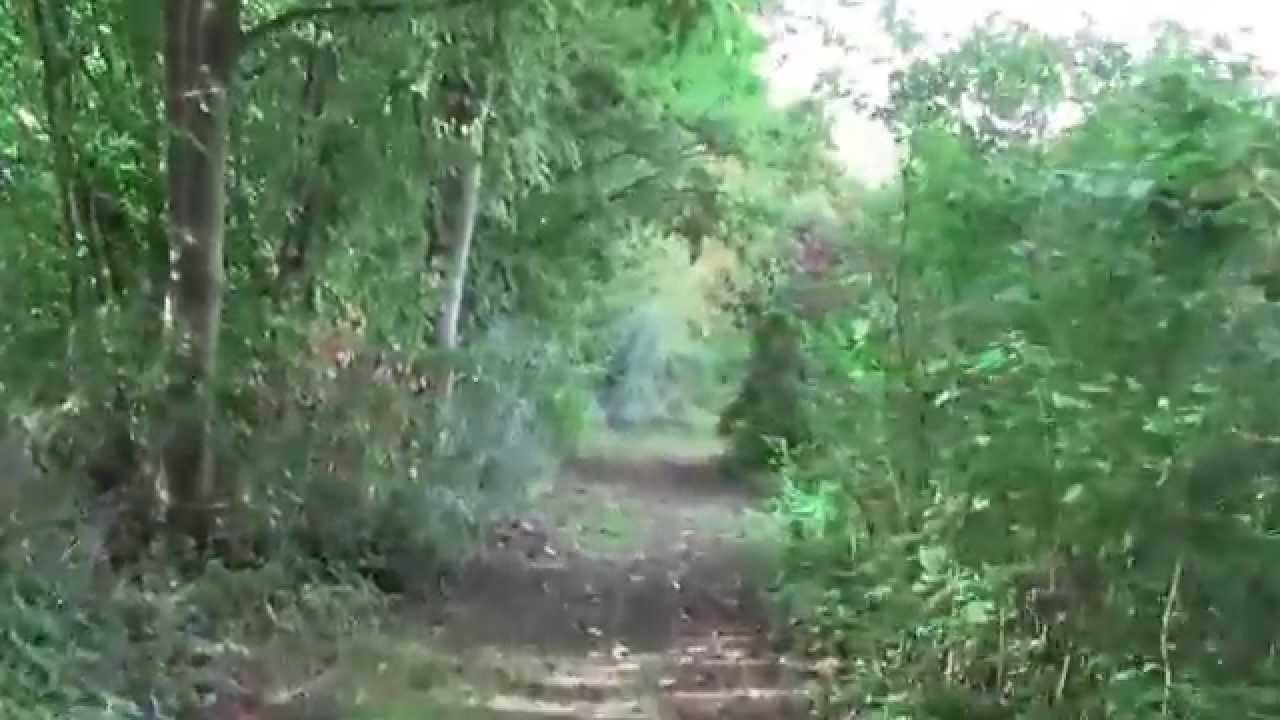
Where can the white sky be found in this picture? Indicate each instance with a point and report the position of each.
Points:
(796, 56)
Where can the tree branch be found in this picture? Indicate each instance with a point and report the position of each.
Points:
(302, 14)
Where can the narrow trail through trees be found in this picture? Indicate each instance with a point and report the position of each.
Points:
(633, 589)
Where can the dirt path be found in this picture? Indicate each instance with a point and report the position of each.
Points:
(633, 589)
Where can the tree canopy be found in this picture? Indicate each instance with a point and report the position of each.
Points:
(298, 297)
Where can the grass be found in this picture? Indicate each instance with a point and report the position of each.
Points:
(401, 676)
(694, 441)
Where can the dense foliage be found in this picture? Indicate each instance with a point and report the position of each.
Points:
(1041, 480)
(297, 297)
(305, 292)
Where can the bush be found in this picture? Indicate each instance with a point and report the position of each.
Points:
(81, 641)
(1042, 453)
(346, 469)
(768, 416)
(364, 469)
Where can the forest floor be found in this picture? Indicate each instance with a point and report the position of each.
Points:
(633, 587)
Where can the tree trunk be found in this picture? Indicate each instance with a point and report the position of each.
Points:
(200, 50)
(457, 204)
(55, 85)
(455, 225)
(313, 197)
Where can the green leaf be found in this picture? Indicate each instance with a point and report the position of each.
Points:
(977, 612)
(933, 559)
(991, 360)
(1140, 188)
(1073, 494)
(1066, 402)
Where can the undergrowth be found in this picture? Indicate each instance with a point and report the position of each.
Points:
(1040, 479)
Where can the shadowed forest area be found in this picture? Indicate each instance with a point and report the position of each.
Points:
(413, 359)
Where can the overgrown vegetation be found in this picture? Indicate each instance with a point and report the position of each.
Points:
(1041, 475)
(300, 295)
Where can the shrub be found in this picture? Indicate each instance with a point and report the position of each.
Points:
(1041, 453)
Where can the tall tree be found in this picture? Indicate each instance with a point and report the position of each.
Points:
(457, 205)
(313, 197)
(200, 51)
(50, 26)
